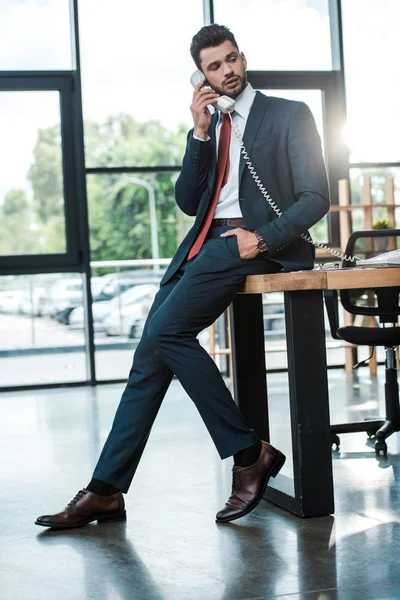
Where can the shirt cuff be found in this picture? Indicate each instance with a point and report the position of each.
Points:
(201, 139)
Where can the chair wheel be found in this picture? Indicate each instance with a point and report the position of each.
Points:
(381, 447)
(335, 440)
(371, 433)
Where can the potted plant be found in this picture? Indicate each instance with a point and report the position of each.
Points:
(381, 243)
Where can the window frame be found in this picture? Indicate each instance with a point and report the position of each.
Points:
(62, 82)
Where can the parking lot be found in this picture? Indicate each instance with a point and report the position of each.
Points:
(40, 350)
(42, 336)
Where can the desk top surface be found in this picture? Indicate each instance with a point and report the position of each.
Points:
(322, 279)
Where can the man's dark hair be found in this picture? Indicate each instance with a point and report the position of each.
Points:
(209, 37)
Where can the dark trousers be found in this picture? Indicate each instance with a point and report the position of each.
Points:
(191, 301)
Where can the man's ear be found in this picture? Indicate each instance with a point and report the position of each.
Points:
(242, 56)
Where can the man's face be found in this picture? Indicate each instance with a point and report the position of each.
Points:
(225, 69)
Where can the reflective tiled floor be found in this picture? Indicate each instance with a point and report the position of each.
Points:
(170, 548)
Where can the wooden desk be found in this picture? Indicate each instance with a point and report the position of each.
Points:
(307, 370)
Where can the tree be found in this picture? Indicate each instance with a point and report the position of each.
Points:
(118, 209)
(15, 204)
(121, 140)
(16, 233)
(45, 175)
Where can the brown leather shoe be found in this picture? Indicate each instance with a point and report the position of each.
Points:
(249, 483)
(85, 508)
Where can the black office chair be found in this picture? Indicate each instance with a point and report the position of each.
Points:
(387, 309)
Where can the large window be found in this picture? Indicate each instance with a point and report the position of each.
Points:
(131, 216)
(136, 67)
(279, 35)
(32, 219)
(371, 32)
(35, 34)
(37, 347)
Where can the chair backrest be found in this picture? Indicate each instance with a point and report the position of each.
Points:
(379, 302)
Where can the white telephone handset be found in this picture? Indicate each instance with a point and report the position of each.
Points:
(224, 104)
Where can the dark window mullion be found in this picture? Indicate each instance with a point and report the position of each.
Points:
(129, 169)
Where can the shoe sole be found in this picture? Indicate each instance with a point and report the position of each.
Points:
(112, 518)
(276, 467)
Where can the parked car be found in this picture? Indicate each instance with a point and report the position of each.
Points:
(10, 301)
(115, 284)
(65, 295)
(69, 293)
(100, 310)
(128, 317)
(273, 314)
(34, 303)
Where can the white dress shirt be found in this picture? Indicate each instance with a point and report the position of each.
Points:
(228, 202)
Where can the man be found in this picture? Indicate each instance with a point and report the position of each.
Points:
(236, 233)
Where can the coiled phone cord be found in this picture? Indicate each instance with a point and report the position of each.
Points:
(273, 204)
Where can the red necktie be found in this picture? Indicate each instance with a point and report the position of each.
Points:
(222, 177)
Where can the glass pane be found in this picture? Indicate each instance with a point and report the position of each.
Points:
(279, 36)
(313, 99)
(36, 345)
(122, 298)
(35, 35)
(31, 179)
(134, 216)
(121, 301)
(130, 218)
(385, 197)
(136, 89)
(370, 31)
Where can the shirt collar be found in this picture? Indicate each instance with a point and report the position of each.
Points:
(243, 102)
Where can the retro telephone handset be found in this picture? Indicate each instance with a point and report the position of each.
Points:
(226, 105)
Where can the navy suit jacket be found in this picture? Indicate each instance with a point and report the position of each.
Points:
(285, 149)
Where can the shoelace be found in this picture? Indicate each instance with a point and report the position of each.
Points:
(236, 481)
(79, 495)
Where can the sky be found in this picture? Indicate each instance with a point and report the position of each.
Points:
(135, 59)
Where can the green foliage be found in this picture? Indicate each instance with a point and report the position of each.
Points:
(381, 224)
(15, 204)
(16, 233)
(45, 175)
(119, 215)
(121, 141)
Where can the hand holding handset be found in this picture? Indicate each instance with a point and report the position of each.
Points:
(224, 104)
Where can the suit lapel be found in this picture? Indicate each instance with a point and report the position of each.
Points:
(256, 115)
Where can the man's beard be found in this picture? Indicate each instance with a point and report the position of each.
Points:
(232, 93)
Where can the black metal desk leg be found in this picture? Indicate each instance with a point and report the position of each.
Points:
(309, 403)
(308, 391)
